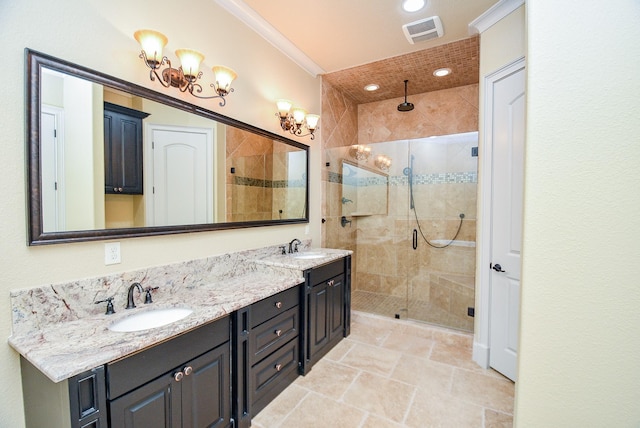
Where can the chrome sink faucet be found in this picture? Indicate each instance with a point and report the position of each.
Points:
(293, 245)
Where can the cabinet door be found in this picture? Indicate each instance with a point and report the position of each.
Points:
(319, 305)
(123, 150)
(156, 404)
(206, 392)
(336, 311)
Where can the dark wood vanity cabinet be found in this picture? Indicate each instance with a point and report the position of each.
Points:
(328, 307)
(184, 382)
(122, 150)
(267, 352)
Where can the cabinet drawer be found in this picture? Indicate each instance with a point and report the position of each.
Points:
(325, 272)
(274, 305)
(273, 374)
(273, 333)
(130, 372)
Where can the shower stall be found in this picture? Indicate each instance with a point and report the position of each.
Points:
(408, 211)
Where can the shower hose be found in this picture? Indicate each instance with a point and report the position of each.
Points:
(419, 229)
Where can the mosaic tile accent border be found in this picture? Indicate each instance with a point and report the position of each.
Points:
(401, 180)
(270, 184)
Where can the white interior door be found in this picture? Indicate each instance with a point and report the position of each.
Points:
(52, 160)
(182, 176)
(507, 181)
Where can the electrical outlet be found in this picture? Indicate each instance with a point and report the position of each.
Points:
(112, 253)
(306, 230)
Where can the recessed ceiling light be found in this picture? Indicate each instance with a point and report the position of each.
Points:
(372, 87)
(413, 5)
(441, 72)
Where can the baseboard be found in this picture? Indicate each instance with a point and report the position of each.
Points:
(481, 355)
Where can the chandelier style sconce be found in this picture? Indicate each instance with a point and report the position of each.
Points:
(383, 162)
(296, 120)
(186, 76)
(360, 152)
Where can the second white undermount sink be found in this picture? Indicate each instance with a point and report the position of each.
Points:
(150, 319)
(309, 255)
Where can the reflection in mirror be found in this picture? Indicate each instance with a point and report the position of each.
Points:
(364, 190)
(111, 159)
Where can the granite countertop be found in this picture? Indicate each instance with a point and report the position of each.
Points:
(64, 349)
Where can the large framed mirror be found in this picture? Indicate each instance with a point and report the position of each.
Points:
(110, 159)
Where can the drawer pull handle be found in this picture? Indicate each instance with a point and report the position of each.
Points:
(278, 332)
(278, 367)
(278, 305)
(188, 370)
(178, 376)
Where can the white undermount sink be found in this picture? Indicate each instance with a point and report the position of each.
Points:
(150, 319)
(309, 255)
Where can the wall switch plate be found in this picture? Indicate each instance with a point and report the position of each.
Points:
(112, 253)
(306, 230)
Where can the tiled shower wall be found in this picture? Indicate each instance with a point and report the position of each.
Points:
(384, 261)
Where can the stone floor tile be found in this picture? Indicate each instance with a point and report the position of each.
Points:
(318, 411)
(373, 359)
(380, 396)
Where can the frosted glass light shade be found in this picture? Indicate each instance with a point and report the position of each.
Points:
(312, 121)
(190, 61)
(283, 107)
(152, 43)
(224, 77)
(298, 115)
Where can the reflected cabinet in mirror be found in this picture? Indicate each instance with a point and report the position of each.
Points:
(110, 159)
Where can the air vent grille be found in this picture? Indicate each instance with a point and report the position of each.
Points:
(425, 29)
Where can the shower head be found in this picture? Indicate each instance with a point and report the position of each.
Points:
(405, 106)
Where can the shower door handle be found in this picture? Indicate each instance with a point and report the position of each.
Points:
(497, 268)
(415, 239)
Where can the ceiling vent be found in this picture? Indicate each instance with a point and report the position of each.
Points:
(425, 29)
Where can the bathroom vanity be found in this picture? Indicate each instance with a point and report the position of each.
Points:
(259, 319)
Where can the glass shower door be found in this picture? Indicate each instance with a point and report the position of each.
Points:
(441, 181)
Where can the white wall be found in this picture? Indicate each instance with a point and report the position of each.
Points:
(98, 34)
(580, 340)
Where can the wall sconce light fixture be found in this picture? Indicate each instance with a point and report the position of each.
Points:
(383, 162)
(360, 152)
(296, 120)
(186, 76)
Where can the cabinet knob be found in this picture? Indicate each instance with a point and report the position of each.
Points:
(178, 376)
(278, 332)
(330, 283)
(278, 367)
(278, 305)
(188, 370)
(120, 189)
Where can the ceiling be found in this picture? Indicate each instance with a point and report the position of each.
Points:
(356, 42)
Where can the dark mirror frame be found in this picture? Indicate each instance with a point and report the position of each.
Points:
(34, 62)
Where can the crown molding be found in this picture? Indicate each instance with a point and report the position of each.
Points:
(244, 13)
(494, 14)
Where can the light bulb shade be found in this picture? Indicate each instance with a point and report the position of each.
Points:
(298, 115)
(283, 107)
(190, 61)
(224, 77)
(152, 43)
(312, 121)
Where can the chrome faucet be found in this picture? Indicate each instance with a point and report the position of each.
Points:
(294, 248)
(130, 303)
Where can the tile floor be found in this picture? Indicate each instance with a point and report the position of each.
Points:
(394, 373)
